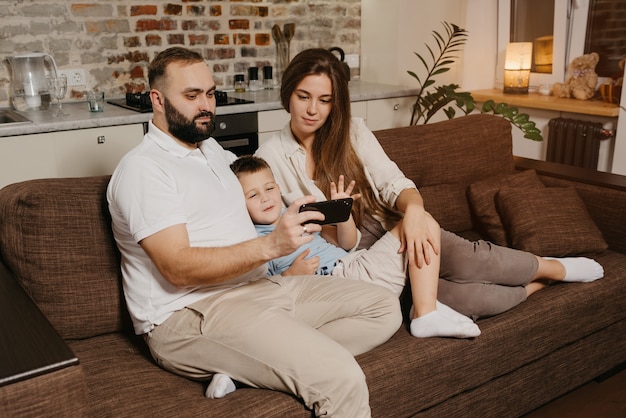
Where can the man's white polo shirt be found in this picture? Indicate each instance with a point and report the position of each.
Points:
(158, 184)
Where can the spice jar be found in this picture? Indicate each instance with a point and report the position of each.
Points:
(240, 84)
(268, 82)
(253, 79)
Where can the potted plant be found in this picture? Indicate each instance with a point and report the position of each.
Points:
(446, 97)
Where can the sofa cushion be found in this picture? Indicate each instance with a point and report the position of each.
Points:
(552, 221)
(482, 198)
(56, 237)
(443, 177)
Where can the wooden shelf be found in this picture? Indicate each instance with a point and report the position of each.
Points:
(538, 101)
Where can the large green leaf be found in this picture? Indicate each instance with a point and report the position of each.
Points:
(439, 98)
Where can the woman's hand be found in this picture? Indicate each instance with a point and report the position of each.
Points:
(417, 236)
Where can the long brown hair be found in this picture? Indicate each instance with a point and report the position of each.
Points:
(333, 152)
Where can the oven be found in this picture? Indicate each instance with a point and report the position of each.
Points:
(236, 132)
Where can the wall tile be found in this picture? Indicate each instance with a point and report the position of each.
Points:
(115, 40)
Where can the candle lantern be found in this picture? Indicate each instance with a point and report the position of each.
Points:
(517, 67)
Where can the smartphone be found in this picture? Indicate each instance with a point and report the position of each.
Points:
(335, 211)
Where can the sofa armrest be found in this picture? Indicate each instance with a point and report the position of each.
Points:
(29, 345)
(604, 194)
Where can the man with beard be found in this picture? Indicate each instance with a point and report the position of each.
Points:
(194, 269)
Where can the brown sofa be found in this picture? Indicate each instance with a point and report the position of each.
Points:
(77, 356)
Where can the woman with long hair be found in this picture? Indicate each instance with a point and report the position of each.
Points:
(323, 141)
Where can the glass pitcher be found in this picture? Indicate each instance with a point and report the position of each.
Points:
(29, 81)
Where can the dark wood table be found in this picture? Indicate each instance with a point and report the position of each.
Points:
(29, 344)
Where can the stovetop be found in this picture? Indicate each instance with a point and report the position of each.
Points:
(140, 102)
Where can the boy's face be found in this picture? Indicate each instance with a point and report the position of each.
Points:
(262, 195)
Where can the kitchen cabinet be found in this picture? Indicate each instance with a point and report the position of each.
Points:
(271, 122)
(359, 109)
(25, 157)
(76, 153)
(378, 114)
(389, 113)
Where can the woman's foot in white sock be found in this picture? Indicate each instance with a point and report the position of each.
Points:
(435, 324)
(580, 269)
(220, 386)
(452, 314)
(448, 312)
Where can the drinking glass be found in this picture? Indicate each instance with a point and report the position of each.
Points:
(58, 89)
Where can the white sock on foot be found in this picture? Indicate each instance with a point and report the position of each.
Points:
(220, 386)
(448, 312)
(580, 269)
(435, 324)
(452, 314)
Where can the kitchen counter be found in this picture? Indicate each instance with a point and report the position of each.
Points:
(79, 117)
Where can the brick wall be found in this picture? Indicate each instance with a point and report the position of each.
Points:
(114, 40)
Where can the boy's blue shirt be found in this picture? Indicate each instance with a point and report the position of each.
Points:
(327, 252)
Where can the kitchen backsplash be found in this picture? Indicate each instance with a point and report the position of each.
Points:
(114, 40)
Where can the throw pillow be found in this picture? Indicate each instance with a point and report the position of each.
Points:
(482, 195)
(552, 221)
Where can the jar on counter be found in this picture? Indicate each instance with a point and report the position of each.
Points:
(240, 84)
(254, 84)
(268, 82)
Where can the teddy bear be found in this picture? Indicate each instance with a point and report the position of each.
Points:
(582, 78)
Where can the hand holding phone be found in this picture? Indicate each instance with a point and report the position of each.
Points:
(335, 211)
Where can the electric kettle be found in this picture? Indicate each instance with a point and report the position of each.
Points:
(29, 81)
(342, 56)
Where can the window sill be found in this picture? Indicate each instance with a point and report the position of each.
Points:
(538, 101)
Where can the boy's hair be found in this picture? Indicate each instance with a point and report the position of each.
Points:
(249, 164)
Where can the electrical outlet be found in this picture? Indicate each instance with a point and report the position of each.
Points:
(352, 60)
(75, 77)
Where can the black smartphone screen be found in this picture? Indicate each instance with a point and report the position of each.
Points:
(335, 211)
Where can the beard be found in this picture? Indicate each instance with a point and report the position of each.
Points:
(185, 129)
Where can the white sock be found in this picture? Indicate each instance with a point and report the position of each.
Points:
(580, 269)
(448, 312)
(452, 314)
(435, 324)
(220, 386)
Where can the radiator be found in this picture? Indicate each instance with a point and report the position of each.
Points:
(574, 142)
